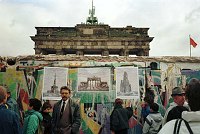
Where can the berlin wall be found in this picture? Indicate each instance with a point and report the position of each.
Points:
(96, 81)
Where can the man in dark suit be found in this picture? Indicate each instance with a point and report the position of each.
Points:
(66, 114)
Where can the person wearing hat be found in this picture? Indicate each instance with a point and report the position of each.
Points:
(178, 95)
(190, 120)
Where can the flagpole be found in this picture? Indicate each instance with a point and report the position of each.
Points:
(190, 45)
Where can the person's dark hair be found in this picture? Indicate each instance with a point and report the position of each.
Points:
(193, 81)
(150, 93)
(118, 101)
(149, 100)
(154, 107)
(35, 103)
(46, 105)
(2, 94)
(65, 88)
(176, 113)
(193, 94)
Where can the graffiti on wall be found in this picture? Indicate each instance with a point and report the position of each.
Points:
(25, 80)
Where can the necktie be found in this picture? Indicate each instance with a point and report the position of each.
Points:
(62, 109)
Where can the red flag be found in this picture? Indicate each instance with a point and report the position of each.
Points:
(192, 42)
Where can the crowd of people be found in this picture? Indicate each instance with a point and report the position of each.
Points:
(181, 117)
(65, 118)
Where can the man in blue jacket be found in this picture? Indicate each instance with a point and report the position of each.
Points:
(9, 120)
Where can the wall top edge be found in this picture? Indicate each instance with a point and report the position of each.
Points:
(169, 59)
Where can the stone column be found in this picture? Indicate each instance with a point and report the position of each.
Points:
(105, 53)
(140, 53)
(143, 52)
(79, 52)
(121, 53)
(38, 51)
(146, 52)
(124, 52)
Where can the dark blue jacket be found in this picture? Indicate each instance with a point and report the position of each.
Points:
(145, 111)
(119, 118)
(9, 121)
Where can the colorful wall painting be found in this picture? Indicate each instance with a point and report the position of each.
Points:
(25, 79)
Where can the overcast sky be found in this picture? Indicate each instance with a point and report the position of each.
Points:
(170, 21)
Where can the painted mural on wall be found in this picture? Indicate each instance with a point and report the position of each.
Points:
(25, 79)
